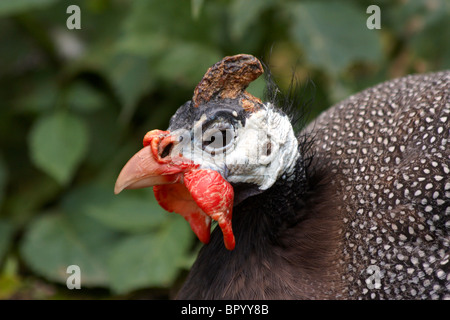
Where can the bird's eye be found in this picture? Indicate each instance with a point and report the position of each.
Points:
(217, 138)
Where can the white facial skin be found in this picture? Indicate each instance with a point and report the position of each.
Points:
(259, 153)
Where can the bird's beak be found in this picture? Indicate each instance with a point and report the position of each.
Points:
(199, 195)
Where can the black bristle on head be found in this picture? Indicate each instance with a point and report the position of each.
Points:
(296, 106)
(292, 101)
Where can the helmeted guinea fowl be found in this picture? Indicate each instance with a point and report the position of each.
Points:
(356, 206)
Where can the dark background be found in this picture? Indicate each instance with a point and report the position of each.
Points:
(75, 105)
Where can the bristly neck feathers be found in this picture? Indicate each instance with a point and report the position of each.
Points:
(274, 228)
(274, 210)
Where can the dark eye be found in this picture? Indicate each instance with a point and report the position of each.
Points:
(217, 139)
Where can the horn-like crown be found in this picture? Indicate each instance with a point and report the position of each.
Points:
(228, 79)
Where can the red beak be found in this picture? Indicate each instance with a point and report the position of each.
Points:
(199, 195)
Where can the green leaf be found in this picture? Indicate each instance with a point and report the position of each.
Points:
(41, 98)
(146, 44)
(182, 64)
(435, 34)
(129, 211)
(176, 61)
(84, 98)
(151, 259)
(55, 241)
(196, 7)
(243, 18)
(10, 282)
(153, 19)
(333, 35)
(39, 191)
(58, 143)
(3, 178)
(6, 233)
(151, 16)
(8, 7)
(257, 87)
(178, 53)
(130, 77)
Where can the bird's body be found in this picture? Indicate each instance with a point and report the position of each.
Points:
(357, 207)
(374, 221)
(387, 149)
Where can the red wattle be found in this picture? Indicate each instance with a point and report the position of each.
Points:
(176, 198)
(214, 195)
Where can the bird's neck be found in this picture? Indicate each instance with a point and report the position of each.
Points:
(275, 209)
(263, 225)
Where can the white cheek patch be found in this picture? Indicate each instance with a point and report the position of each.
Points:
(262, 151)
(265, 149)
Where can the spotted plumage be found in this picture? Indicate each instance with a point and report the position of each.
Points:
(387, 149)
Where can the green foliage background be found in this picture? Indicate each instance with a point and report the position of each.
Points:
(75, 105)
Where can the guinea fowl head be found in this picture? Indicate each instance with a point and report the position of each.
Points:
(221, 147)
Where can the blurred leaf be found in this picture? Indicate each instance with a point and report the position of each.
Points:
(6, 233)
(257, 87)
(242, 17)
(55, 241)
(9, 280)
(130, 77)
(339, 90)
(177, 52)
(105, 138)
(143, 44)
(39, 190)
(175, 61)
(39, 99)
(435, 34)
(3, 179)
(150, 259)
(399, 17)
(57, 144)
(196, 6)
(322, 29)
(18, 53)
(181, 63)
(153, 34)
(149, 17)
(8, 7)
(125, 212)
(82, 97)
